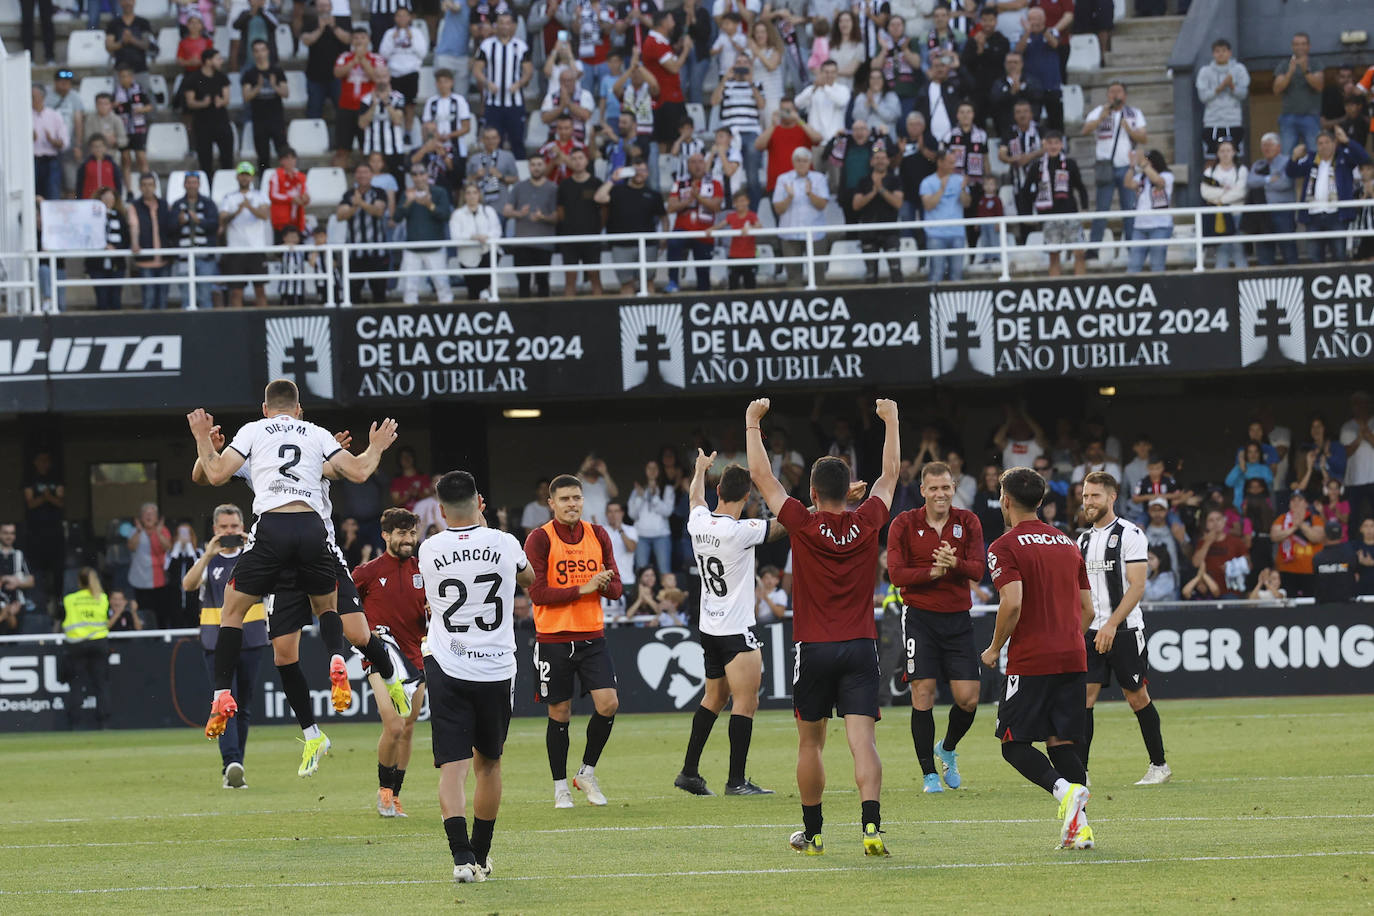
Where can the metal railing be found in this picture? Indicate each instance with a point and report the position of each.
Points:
(338, 271)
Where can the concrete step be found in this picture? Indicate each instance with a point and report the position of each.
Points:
(1160, 27)
(1139, 57)
(1131, 76)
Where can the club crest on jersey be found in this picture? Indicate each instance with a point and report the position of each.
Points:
(1111, 542)
(417, 580)
(958, 531)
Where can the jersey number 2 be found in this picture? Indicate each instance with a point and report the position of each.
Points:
(493, 599)
(295, 452)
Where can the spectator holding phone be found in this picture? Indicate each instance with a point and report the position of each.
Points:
(634, 208)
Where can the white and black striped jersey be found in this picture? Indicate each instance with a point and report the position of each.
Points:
(503, 68)
(869, 29)
(447, 115)
(293, 268)
(1018, 142)
(384, 135)
(738, 109)
(686, 150)
(388, 6)
(363, 227)
(1107, 552)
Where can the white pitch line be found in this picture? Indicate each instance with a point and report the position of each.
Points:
(653, 828)
(819, 868)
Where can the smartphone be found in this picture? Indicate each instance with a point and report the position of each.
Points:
(231, 540)
(625, 172)
(564, 35)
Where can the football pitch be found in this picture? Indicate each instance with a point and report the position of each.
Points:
(1271, 807)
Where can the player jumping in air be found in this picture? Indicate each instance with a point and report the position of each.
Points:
(393, 596)
(933, 555)
(1116, 553)
(835, 552)
(574, 568)
(724, 546)
(1045, 606)
(470, 573)
(287, 460)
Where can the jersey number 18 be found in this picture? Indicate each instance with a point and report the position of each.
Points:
(493, 599)
(713, 577)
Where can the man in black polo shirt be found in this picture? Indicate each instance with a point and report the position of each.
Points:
(634, 208)
(129, 38)
(207, 96)
(579, 214)
(877, 199)
(1335, 566)
(327, 38)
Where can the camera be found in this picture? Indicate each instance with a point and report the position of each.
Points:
(564, 35)
(231, 540)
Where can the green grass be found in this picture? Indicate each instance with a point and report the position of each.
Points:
(1272, 806)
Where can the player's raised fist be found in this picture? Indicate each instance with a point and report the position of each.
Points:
(217, 438)
(344, 438)
(704, 461)
(757, 410)
(383, 434)
(200, 422)
(857, 491)
(887, 410)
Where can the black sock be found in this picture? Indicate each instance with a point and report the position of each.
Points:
(959, 724)
(871, 814)
(458, 843)
(1068, 760)
(228, 647)
(741, 733)
(811, 820)
(923, 737)
(398, 776)
(702, 723)
(1030, 763)
(1086, 746)
(379, 658)
(1148, 717)
(331, 634)
(481, 838)
(297, 693)
(556, 741)
(598, 733)
(385, 776)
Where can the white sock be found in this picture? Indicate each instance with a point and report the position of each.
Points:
(1061, 788)
(311, 733)
(585, 770)
(560, 785)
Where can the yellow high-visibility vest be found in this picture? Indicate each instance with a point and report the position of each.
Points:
(87, 617)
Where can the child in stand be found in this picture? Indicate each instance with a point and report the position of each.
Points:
(133, 106)
(315, 263)
(820, 46)
(730, 43)
(684, 146)
(989, 205)
(293, 284)
(742, 246)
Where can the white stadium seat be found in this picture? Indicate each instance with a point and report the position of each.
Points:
(167, 142)
(286, 42)
(308, 136)
(326, 185)
(844, 270)
(296, 90)
(995, 164)
(151, 9)
(1073, 103)
(9, 12)
(336, 232)
(522, 169)
(910, 263)
(86, 48)
(244, 139)
(697, 113)
(235, 91)
(91, 86)
(162, 96)
(426, 85)
(221, 40)
(223, 183)
(1031, 261)
(176, 184)
(1085, 53)
(167, 40)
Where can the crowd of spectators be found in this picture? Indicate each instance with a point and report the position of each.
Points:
(930, 83)
(1284, 512)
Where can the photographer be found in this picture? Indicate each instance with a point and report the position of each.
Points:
(740, 99)
(211, 574)
(634, 208)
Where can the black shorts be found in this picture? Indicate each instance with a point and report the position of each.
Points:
(284, 544)
(137, 142)
(1039, 706)
(555, 663)
(719, 651)
(575, 253)
(939, 646)
(467, 715)
(241, 263)
(1212, 137)
(346, 131)
(1093, 16)
(668, 118)
(1128, 659)
(408, 85)
(835, 678)
(290, 609)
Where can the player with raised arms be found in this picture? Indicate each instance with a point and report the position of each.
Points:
(287, 458)
(574, 568)
(835, 553)
(933, 555)
(470, 573)
(1045, 607)
(290, 610)
(1117, 556)
(724, 547)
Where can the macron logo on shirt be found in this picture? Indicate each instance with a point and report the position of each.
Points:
(1044, 540)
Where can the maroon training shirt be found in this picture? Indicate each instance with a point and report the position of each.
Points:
(393, 594)
(911, 546)
(1048, 638)
(834, 556)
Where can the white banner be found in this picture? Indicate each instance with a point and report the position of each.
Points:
(73, 225)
